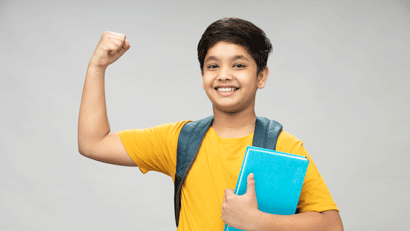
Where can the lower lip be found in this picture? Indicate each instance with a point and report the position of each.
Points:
(226, 93)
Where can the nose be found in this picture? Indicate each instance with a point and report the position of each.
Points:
(224, 74)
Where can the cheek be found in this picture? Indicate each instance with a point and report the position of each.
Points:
(206, 82)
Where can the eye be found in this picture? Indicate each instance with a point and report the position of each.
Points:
(213, 66)
(239, 66)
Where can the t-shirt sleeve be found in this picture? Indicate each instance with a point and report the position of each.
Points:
(155, 148)
(315, 195)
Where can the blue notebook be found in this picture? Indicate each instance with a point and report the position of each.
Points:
(278, 179)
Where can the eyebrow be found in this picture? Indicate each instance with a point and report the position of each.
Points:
(233, 58)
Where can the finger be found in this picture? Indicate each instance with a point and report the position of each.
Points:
(126, 45)
(229, 192)
(117, 43)
(123, 45)
(118, 54)
(124, 48)
(116, 35)
(113, 37)
(119, 40)
(118, 47)
(110, 46)
(251, 185)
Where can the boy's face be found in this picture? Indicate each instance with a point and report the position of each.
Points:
(230, 77)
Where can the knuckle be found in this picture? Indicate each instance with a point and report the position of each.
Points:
(119, 35)
(107, 33)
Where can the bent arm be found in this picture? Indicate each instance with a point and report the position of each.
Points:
(242, 212)
(325, 221)
(95, 140)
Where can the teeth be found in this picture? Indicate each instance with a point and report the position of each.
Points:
(226, 89)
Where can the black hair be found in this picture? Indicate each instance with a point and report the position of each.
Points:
(236, 31)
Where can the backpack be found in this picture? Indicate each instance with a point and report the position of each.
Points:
(190, 139)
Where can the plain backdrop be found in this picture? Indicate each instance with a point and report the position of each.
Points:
(339, 80)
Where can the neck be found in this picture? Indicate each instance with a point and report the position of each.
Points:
(234, 125)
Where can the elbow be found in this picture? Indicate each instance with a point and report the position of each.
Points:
(83, 149)
(86, 152)
(88, 148)
(80, 143)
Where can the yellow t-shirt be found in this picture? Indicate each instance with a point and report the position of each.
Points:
(216, 168)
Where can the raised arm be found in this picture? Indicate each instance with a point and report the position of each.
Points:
(95, 140)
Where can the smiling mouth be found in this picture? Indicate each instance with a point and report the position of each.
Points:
(226, 89)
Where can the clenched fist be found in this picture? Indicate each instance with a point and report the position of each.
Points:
(110, 48)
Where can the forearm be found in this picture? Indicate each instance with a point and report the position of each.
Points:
(326, 221)
(93, 123)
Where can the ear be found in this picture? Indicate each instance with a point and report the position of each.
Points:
(202, 74)
(263, 77)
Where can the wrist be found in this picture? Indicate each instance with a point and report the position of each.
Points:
(263, 221)
(95, 67)
(255, 220)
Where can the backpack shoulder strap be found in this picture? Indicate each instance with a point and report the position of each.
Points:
(189, 141)
(266, 133)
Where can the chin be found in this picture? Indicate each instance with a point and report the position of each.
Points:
(230, 110)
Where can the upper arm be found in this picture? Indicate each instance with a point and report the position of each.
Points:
(109, 150)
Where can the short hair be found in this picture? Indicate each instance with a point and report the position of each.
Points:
(236, 31)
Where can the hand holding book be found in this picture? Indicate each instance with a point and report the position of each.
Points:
(239, 210)
(274, 178)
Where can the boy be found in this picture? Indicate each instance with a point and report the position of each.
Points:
(233, 54)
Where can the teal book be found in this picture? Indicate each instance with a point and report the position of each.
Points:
(278, 179)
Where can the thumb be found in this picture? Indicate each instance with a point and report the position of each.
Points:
(251, 185)
(124, 48)
(120, 52)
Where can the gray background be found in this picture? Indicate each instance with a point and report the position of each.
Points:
(339, 79)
